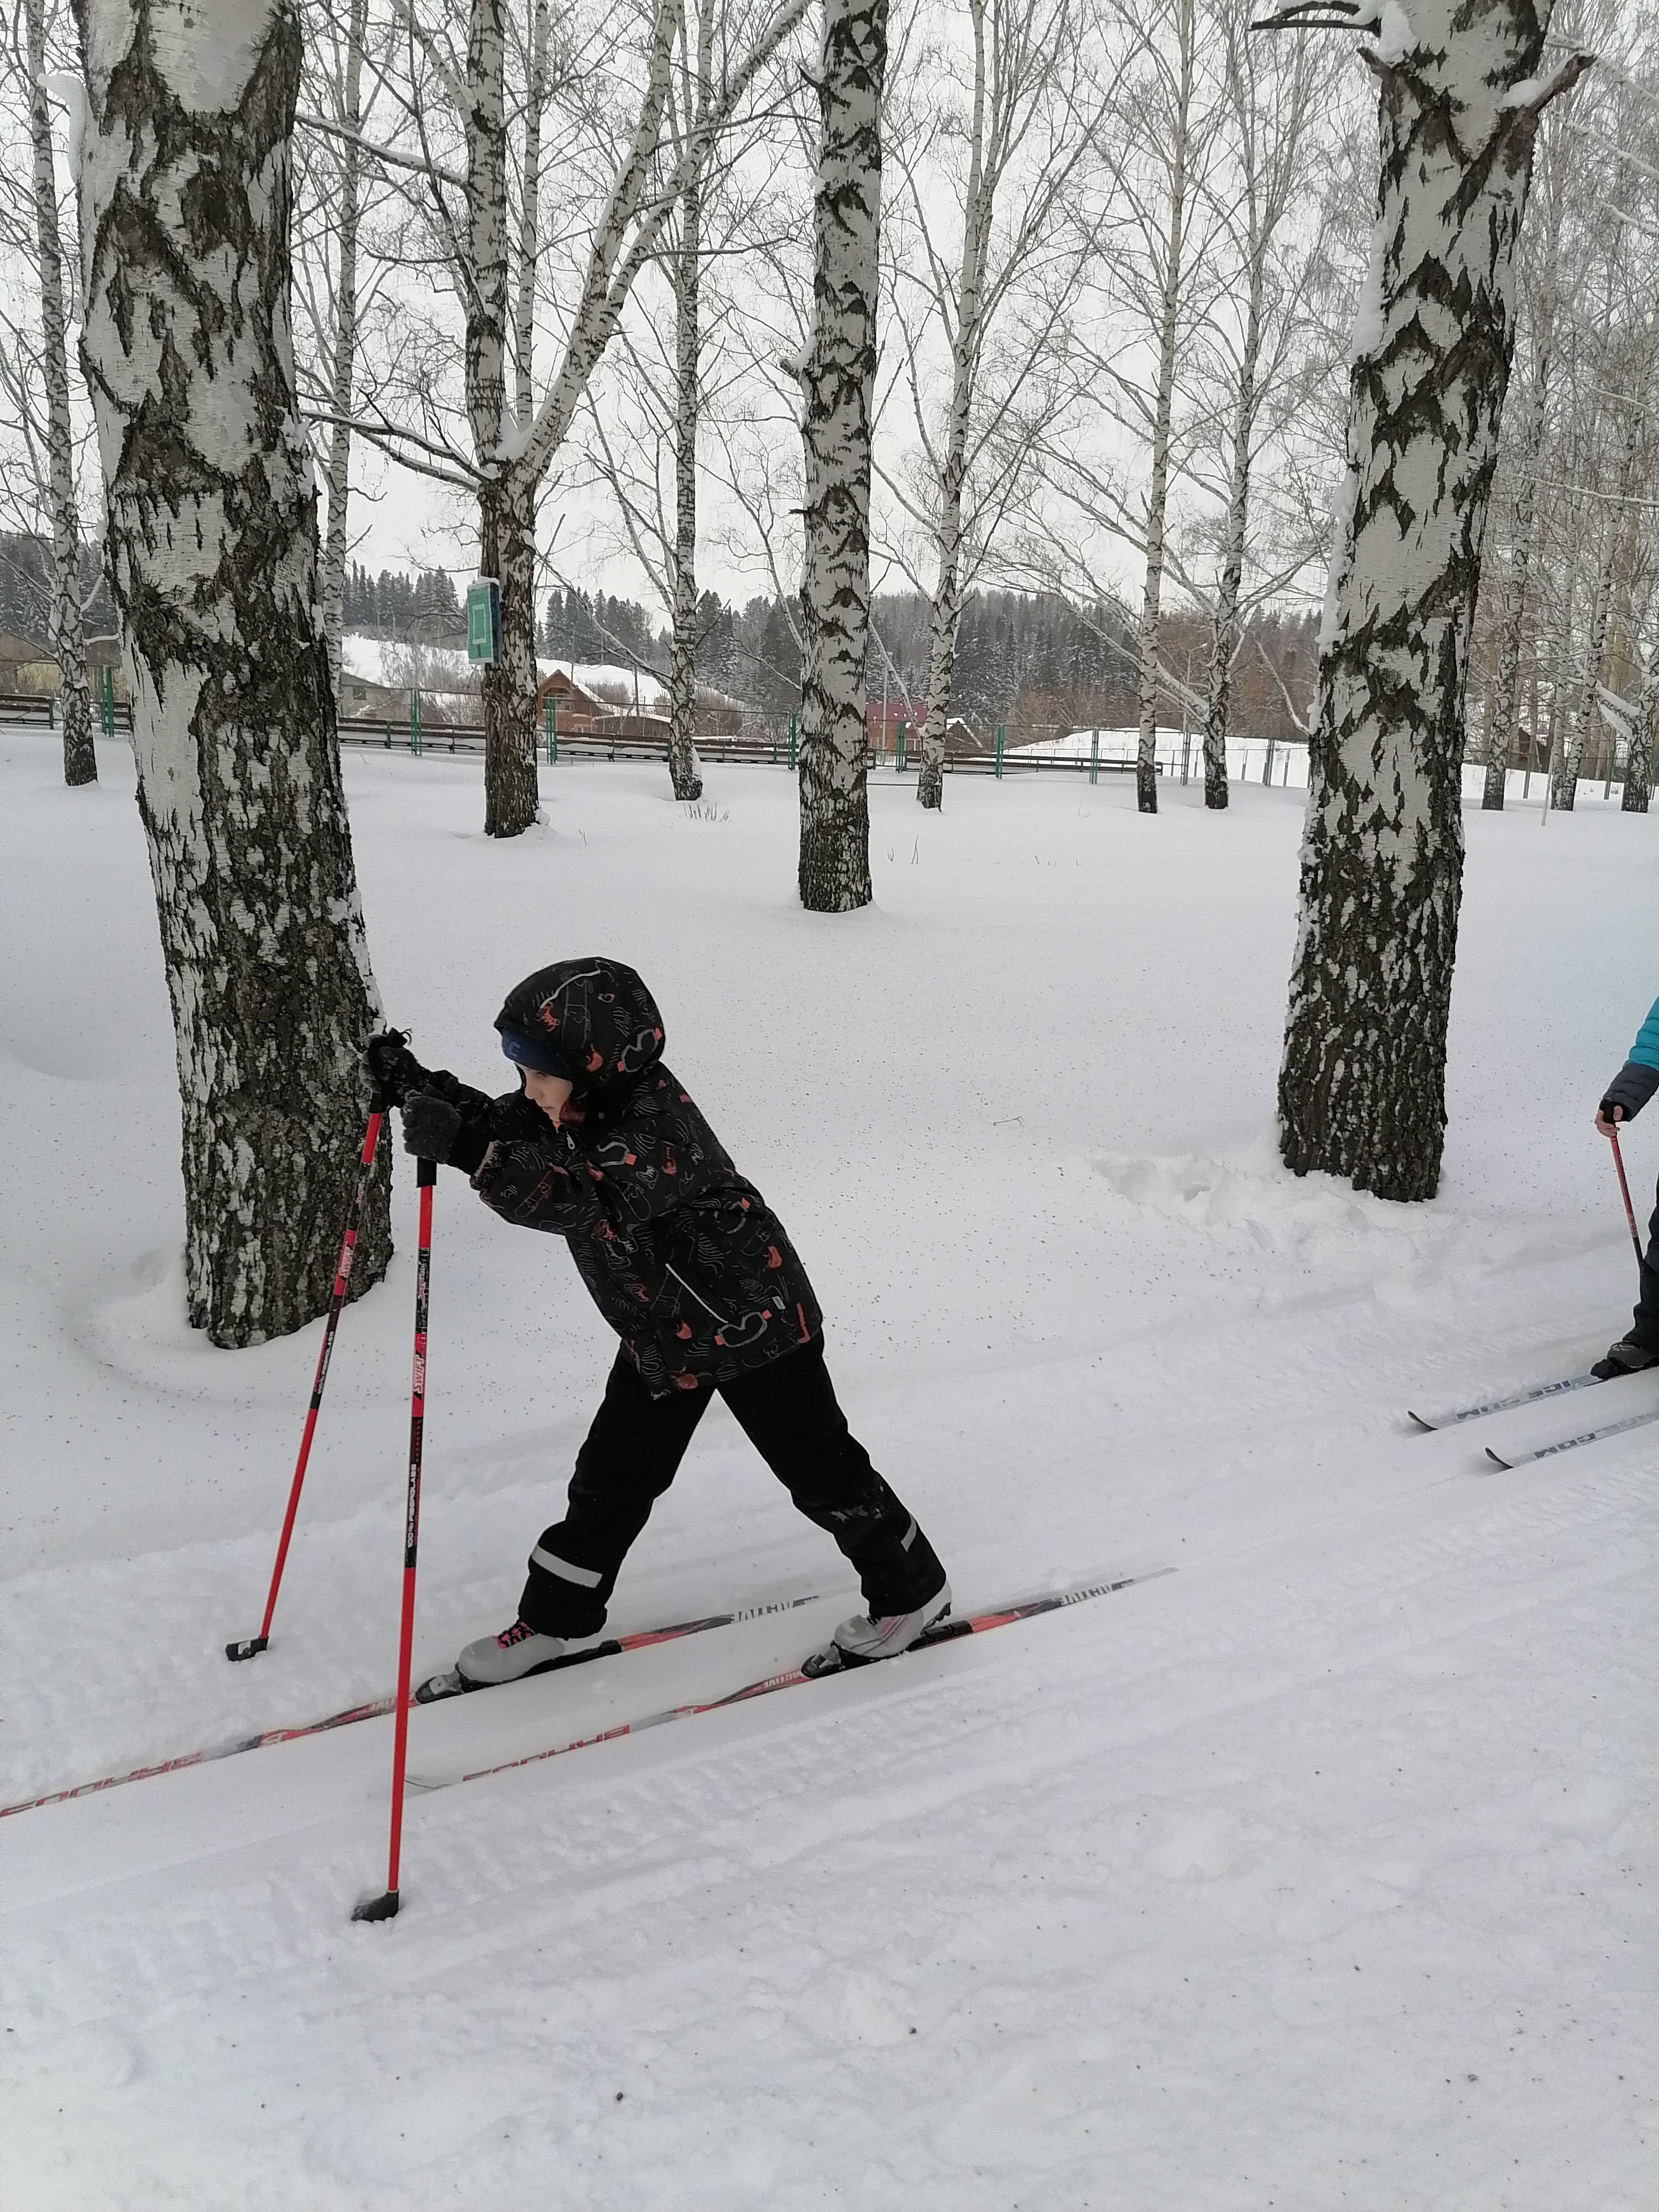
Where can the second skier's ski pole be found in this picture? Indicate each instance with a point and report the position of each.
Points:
(1624, 1192)
(250, 1646)
(385, 1907)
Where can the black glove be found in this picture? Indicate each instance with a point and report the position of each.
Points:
(1632, 1088)
(516, 1120)
(431, 1125)
(393, 1070)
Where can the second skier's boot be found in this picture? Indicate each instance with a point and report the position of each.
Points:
(516, 1652)
(1628, 1356)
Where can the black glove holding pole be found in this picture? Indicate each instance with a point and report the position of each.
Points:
(393, 1070)
(433, 1130)
(436, 1128)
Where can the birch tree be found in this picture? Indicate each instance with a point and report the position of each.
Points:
(1154, 399)
(52, 437)
(338, 52)
(1002, 154)
(1542, 303)
(186, 194)
(1643, 738)
(454, 143)
(1273, 99)
(838, 372)
(670, 367)
(1586, 705)
(1362, 1083)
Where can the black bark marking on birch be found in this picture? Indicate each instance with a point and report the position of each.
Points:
(212, 562)
(1362, 1083)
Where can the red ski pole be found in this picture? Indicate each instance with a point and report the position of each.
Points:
(250, 1646)
(1624, 1191)
(385, 1908)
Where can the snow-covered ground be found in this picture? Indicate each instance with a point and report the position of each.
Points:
(1319, 1872)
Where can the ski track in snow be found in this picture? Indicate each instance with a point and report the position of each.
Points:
(1317, 1874)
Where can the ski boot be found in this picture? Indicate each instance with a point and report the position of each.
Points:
(517, 1653)
(869, 1636)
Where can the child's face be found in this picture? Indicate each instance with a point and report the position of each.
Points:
(550, 1092)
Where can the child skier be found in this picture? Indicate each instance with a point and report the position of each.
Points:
(1627, 1094)
(691, 1268)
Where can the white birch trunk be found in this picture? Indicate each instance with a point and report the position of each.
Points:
(524, 331)
(838, 379)
(68, 637)
(186, 191)
(1157, 482)
(343, 370)
(1362, 1085)
(685, 771)
(1225, 632)
(1644, 733)
(506, 504)
(1570, 766)
(964, 360)
(1512, 615)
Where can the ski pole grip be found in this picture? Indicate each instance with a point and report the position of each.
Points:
(426, 1173)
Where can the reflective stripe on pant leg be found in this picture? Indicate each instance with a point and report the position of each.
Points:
(589, 1578)
(628, 1460)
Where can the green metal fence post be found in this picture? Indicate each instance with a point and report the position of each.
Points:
(415, 721)
(552, 730)
(1268, 765)
(791, 742)
(1094, 756)
(898, 753)
(999, 766)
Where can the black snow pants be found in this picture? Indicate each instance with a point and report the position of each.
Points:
(1646, 1329)
(788, 1409)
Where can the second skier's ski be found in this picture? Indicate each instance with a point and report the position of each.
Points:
(1571, 1444)
(1455, 1414)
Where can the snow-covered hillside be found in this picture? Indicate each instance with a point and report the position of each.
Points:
(1318, 1873)
(395, 665)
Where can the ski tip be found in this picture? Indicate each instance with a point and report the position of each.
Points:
(1495, 1459)
(1421, 1421)
(249, 1648)
(376, 1908)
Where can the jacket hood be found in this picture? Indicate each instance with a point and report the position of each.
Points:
(598, 1017)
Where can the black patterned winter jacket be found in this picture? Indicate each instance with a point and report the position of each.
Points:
(682, 1255)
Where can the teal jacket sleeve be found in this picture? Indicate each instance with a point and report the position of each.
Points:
(1638, 1078)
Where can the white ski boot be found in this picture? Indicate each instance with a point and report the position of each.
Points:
(517, 1652)
(868, 1637)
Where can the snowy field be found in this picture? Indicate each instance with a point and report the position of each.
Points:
(1319, 1872)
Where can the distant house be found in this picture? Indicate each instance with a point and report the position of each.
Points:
(363, 701)
(959, 738)
(578, 709)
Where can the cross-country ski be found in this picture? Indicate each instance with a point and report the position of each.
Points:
(1594, 1436)
(817, 1666)
(431, 1692)
(824, 826)
(1529, 1395)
